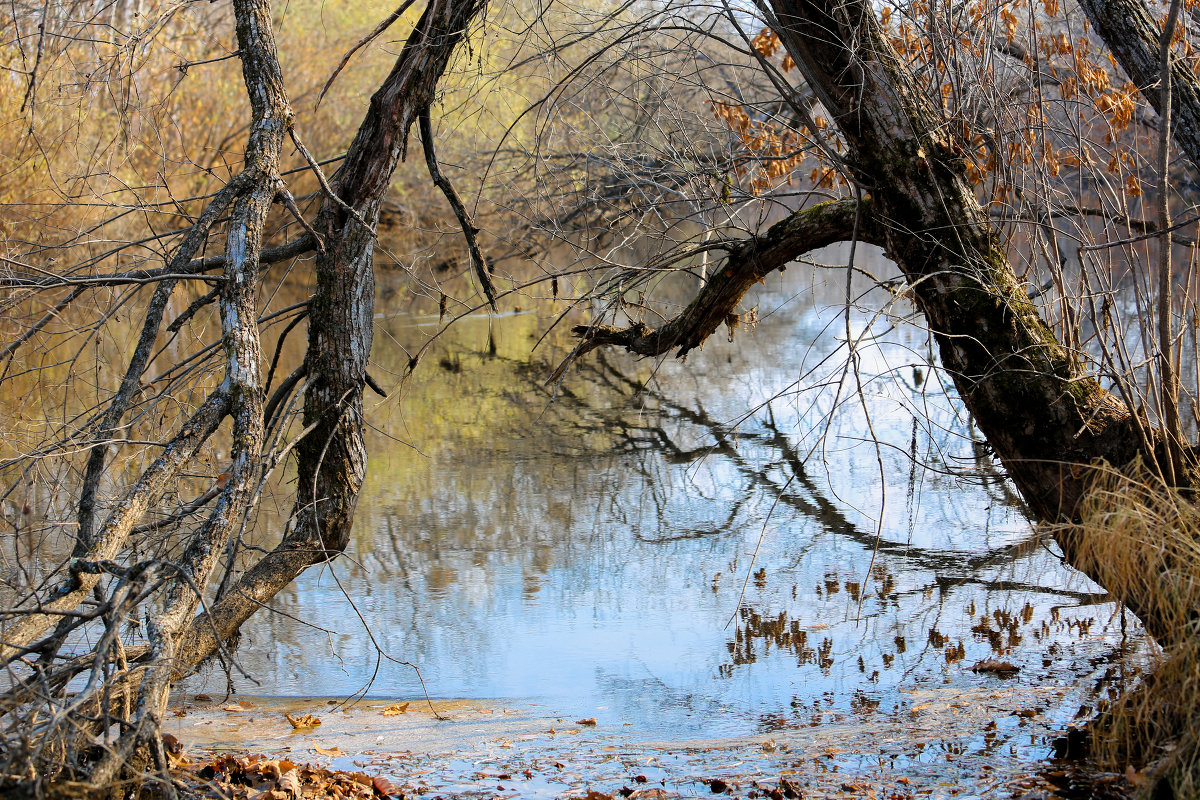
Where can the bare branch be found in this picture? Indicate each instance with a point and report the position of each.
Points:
(469, 230)
(748, 262)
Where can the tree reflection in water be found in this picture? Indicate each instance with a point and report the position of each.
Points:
(635, 541)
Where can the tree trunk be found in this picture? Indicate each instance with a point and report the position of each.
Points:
(1049, 422)
(1044, 417)
(332, 457)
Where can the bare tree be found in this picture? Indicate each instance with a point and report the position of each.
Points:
(121, 563)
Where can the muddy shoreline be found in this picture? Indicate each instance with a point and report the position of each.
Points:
(943, 744)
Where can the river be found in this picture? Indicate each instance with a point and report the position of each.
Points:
(740, 547)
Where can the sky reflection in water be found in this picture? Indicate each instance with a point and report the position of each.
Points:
(590, 553)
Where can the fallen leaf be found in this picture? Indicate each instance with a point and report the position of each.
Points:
(303, 723)
(649, 794)
(232, 707)
(996, 666)
(332, 751)
(202, 698)
(594, 795)
(394, 709)
(588, 721)
(290, 782)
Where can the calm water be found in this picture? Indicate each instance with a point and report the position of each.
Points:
(727, 546)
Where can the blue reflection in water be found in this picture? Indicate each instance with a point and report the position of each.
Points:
(710, 548)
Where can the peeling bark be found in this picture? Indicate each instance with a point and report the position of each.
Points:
(271, 120)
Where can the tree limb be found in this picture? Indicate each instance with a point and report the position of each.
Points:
(464, 219)
(748, 262)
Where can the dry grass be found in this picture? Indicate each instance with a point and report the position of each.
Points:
(1143, 538)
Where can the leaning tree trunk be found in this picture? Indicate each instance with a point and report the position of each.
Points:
(1041, 413)
(63, 725)
(73, 718)
(332, 457)
(1048, 421)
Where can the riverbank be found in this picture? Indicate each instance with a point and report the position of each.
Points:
(941, 743)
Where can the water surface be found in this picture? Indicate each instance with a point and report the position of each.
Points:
(737, 545)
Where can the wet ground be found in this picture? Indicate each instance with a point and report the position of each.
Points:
(941, 742)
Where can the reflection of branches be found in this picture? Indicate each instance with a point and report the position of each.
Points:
(810, 501)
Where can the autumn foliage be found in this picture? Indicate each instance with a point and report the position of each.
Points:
(1026, 89)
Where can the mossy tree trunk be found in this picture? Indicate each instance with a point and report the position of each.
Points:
(1046, 419)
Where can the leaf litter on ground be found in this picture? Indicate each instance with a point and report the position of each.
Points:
(257, 777)
(304, 722)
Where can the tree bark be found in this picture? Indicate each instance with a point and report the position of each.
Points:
(1044, 416)
(1048, 421)
(332, 456)
(747, 263)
